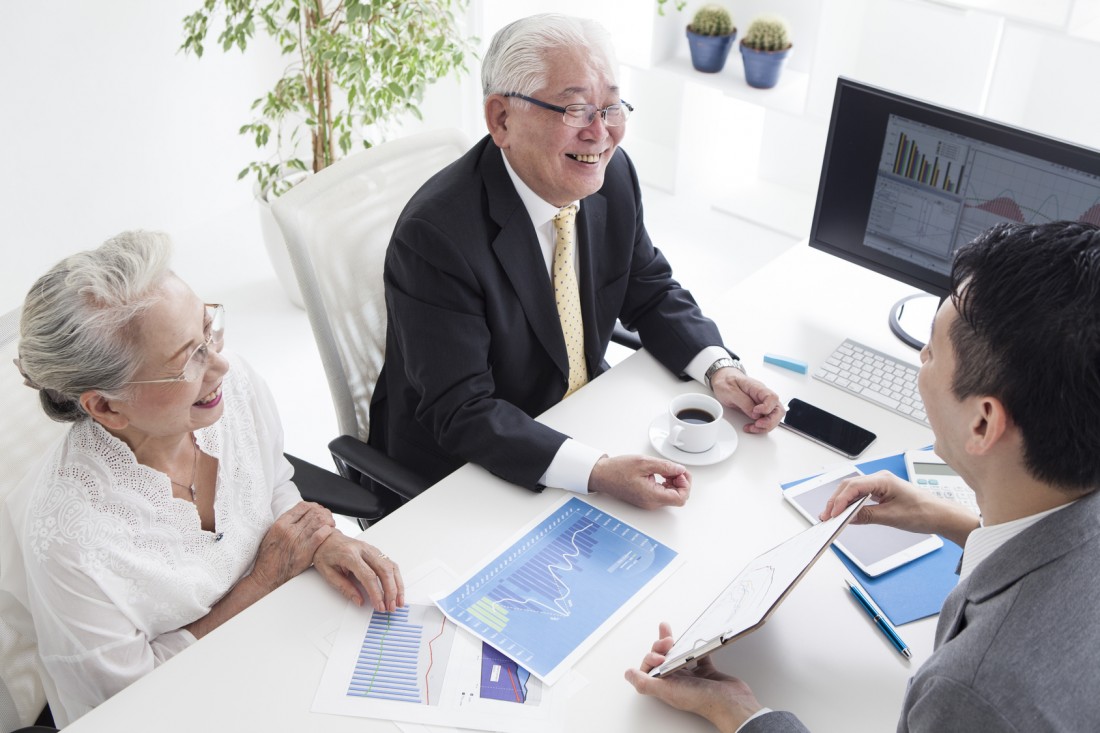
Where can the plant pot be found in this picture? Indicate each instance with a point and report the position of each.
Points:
(709, 53)
(276, 244)
(762, 67)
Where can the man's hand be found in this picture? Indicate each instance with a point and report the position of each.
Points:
(725, 701)
(634, 479)
(901, 505)
(734, 389)
(342, 560)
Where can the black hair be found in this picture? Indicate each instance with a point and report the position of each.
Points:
(1028, 333)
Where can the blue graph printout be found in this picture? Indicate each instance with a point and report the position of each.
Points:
(543, 596)
(395, 661)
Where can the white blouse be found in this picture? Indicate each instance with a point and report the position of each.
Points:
(116, 565)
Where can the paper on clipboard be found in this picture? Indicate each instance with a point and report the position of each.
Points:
(755, 593)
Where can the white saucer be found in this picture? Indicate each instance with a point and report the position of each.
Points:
(720, 451)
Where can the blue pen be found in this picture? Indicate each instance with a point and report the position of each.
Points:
(880, 621)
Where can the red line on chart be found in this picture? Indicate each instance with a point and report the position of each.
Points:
(513, 681)
(431, 661)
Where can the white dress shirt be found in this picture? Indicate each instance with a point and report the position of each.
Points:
(574, 461)
(984, 541)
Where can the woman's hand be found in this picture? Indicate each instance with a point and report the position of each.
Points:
(342, 560)
(289, 546)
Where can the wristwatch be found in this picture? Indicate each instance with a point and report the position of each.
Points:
(722, 364)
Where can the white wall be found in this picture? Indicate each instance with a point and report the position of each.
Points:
(104, 126)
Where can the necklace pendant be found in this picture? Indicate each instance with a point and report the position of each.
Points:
(194, 492)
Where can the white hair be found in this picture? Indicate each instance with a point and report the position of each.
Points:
(517, 57)
(77, 330)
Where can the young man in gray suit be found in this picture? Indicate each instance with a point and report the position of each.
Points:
(1011, 380)
(508, 269)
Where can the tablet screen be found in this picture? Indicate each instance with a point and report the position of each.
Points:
(871, 543)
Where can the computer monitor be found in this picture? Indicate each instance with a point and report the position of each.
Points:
(904, 183)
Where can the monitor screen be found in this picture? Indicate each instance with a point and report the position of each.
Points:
(905, 183)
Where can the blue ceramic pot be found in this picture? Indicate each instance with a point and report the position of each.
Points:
(709, 53)
(762, 67)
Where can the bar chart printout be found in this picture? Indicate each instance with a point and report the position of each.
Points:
(416, 666)
(542, 599)
(390, 657)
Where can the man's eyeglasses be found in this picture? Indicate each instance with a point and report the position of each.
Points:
(195, 365)
(582, 115)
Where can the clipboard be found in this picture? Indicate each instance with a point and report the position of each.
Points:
(747, 602)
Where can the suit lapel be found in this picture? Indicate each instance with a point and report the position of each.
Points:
(951, 615)
(1044, 542)
(517, 249)
(591, 231)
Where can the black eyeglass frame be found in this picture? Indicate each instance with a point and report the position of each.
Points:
(592, 109)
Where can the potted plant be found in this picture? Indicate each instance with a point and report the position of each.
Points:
(354, 65)
(763, 51)
(710, 36)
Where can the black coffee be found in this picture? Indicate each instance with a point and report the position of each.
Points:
(695, 416)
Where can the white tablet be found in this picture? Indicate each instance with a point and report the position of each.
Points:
(754, 594)
(873, 548)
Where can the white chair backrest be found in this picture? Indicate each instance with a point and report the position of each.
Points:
(337, 225)
(26, 434)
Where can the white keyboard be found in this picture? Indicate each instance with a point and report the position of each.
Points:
(876, 377)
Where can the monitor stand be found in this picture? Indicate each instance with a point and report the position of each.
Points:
(911, 318)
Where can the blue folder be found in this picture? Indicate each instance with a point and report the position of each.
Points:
(918, 588)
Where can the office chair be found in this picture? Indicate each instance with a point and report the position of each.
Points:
(337, 225)
(27, 434)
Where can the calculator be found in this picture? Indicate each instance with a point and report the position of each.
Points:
(929, 472)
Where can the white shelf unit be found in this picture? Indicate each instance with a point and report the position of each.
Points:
(756, 154)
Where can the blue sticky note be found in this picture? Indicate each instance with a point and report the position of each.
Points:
(795, 365)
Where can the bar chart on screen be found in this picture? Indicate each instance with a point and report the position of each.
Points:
(542, 599)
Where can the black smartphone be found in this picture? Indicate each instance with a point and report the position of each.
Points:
(825, 428)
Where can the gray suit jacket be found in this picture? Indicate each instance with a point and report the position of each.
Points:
(1016, 640)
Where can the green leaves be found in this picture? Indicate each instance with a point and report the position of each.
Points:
(353, 67)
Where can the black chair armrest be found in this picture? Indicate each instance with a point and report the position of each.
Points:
(334, 492)
(354, 458)
(621, 336)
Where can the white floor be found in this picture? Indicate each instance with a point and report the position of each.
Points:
(224, 261)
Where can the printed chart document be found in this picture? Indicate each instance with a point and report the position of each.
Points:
(415, 666)
(548, 595)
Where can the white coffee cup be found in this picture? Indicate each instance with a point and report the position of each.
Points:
(693, 421)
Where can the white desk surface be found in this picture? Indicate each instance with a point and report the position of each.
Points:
(818, 656)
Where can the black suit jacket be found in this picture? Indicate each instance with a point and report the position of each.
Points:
(474, 349)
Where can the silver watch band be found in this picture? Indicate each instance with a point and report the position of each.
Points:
(722, 364)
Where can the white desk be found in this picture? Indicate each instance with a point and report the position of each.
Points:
(818, 656)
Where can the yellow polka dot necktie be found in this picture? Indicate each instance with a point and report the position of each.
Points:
(568, 297)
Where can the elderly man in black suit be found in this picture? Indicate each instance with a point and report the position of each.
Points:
(508, 269)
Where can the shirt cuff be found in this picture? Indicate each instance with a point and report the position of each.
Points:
(571, 467)
(697, 367)
(754, 716)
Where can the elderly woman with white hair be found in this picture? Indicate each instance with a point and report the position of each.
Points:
(168, 507)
